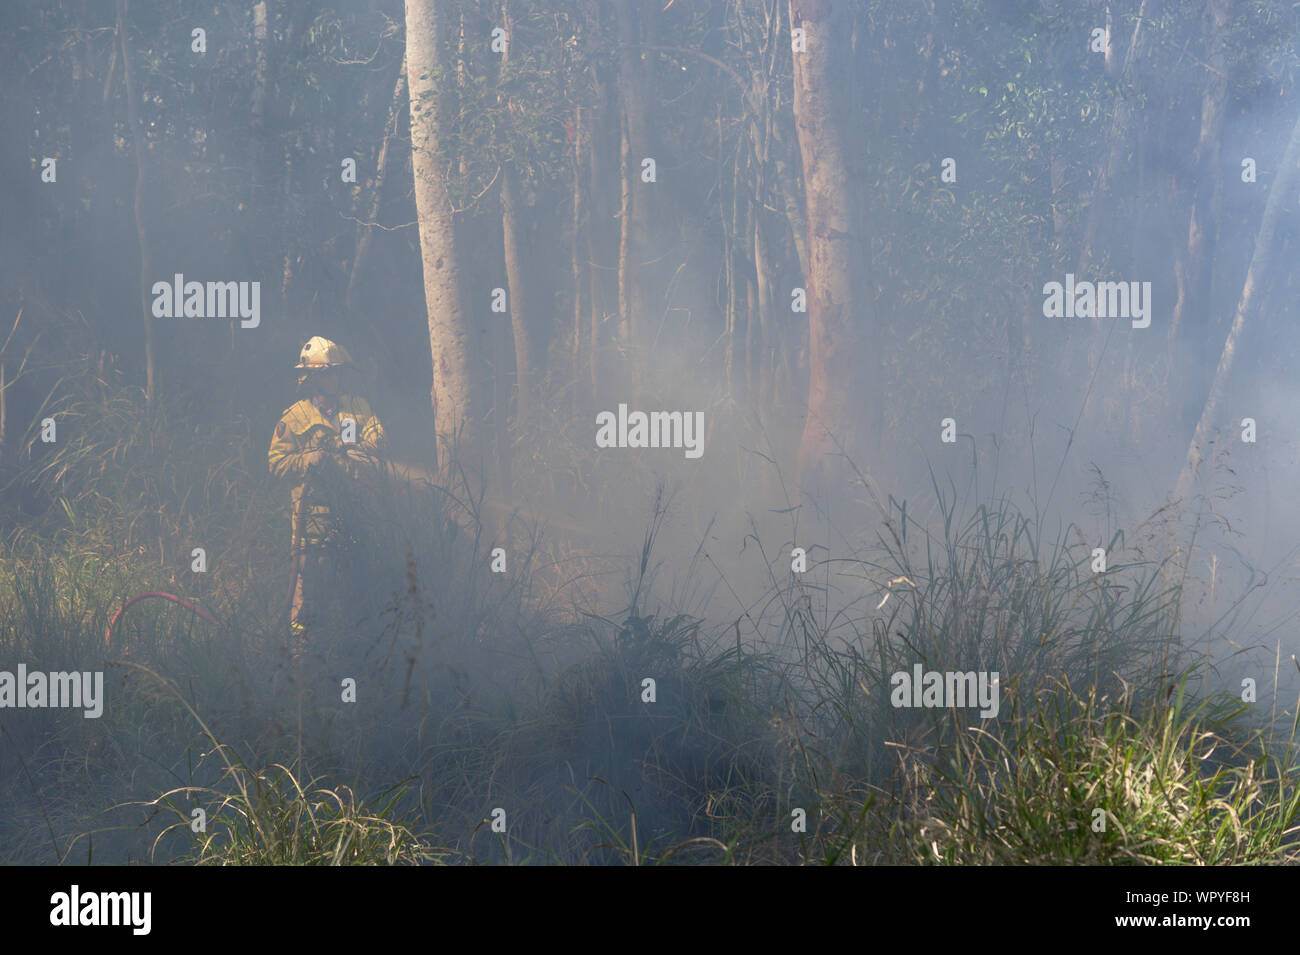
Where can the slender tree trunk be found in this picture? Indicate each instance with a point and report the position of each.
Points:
(454, 411)
(1116, 140)
(462, 160)
(732, 279)
(761, 384)
(1056, 176)
(365, 232)
(286, 200)
(760, 132)
(259, 70)
(1099, 206)
(1260, 260)
(632, 88)
(624, 237)
(142, 236)
(510, 228)
(285, 55)
(518, 301)
(504, 447)
(833, 254)
(598, 227)
(108, 75)
(237, 237)
(1194, 284)
(581, 243)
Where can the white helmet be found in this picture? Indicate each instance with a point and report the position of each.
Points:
(321, 353)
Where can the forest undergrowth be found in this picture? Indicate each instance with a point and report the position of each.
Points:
(462, 716)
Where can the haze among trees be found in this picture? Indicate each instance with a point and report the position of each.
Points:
(658, 187)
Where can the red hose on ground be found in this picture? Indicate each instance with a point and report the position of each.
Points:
(108, 634)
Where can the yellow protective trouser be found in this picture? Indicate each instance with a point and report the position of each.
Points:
(326, 563)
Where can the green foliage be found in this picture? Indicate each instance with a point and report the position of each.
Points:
(1164, 783)
(268, 817)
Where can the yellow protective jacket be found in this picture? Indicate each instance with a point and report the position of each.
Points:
(304, 427)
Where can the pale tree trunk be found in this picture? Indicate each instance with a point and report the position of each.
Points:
(287, 53)
(832, 262)
(259, 70)
(760, 132)
(1117, 137)
(1196, 268)
(1261, 257)
(137, 137)
(518, 303)
(598, 226)
(238, 247)
(453, 102)
(1056, 176)
(789, 353)
(731, 275)
(624, 237)
(633, 97)
(366, 231)
(257, 109)
(500, 431)
(760, 376)
(1107, 173)
(454, 412)
(580, 253)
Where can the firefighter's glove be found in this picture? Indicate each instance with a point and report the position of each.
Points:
(313, 460)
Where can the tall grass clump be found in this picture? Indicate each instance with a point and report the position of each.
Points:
(270, 817)
(1079, 778)
(1099, 751)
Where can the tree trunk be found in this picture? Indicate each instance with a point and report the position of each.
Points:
(632, 88)
(518, 301)
(453, 102)
(1056, 177)
(1197, 267)
(760, 133)
(364, 232)
(1099, 202)
(142, 236)
(454, 411)
(1260, 259)
(624, 237)
(598, 226)
(760, 379)
(580, 254)
(832, 261)
(259, 70)
(731, 276)
(1117, 137)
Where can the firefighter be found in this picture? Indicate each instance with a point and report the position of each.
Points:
(324, 445)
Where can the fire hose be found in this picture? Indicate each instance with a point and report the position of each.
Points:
(108, 634)
(299, 526)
